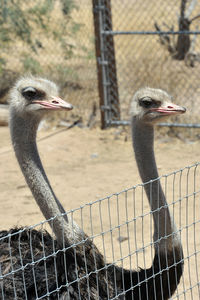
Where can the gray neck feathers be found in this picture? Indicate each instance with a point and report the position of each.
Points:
(143, 144)
(23, 134)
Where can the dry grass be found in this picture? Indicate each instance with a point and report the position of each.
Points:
(141, 60)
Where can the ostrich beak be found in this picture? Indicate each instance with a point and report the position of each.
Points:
(170, 109)
(54, 103)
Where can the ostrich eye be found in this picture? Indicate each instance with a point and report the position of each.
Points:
(30, 93)
(146, 102)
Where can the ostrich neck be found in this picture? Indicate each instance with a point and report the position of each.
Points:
(143, 144)
(23, 134)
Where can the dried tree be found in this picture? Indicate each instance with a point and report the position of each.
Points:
(181, 48)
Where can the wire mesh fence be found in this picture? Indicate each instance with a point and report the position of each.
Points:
(56, 39)
(120, 227)
(156, 44)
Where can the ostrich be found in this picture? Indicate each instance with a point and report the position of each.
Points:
(80, 271)
(148, 107)
(30, 99)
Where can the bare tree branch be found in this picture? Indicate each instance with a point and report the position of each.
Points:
(183, 6)
(190, 8)
(180, 47)
(196, 17)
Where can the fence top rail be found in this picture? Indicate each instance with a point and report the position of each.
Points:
(109, 32)
(185, 125)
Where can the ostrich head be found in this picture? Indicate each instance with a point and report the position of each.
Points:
(151, 105)
(33, 97)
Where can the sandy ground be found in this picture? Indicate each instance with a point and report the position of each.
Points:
(84, 165)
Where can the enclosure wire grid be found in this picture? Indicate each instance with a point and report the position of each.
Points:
(34, 266)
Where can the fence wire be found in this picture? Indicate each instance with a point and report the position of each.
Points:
(34, 266)
(156, 44)
(54, 39)
(63, 49)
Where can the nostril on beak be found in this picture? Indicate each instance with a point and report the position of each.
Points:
(169, 106)
(55, 102)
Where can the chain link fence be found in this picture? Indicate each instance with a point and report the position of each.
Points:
(56, 39)
(157, 45)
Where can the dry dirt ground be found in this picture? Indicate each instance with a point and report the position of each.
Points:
(84, 165)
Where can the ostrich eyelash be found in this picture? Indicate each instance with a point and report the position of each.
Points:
(30, 93)
(145, 102)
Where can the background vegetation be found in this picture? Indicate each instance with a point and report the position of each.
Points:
(56, 39)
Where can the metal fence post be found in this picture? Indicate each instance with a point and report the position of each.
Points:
(106, 65)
